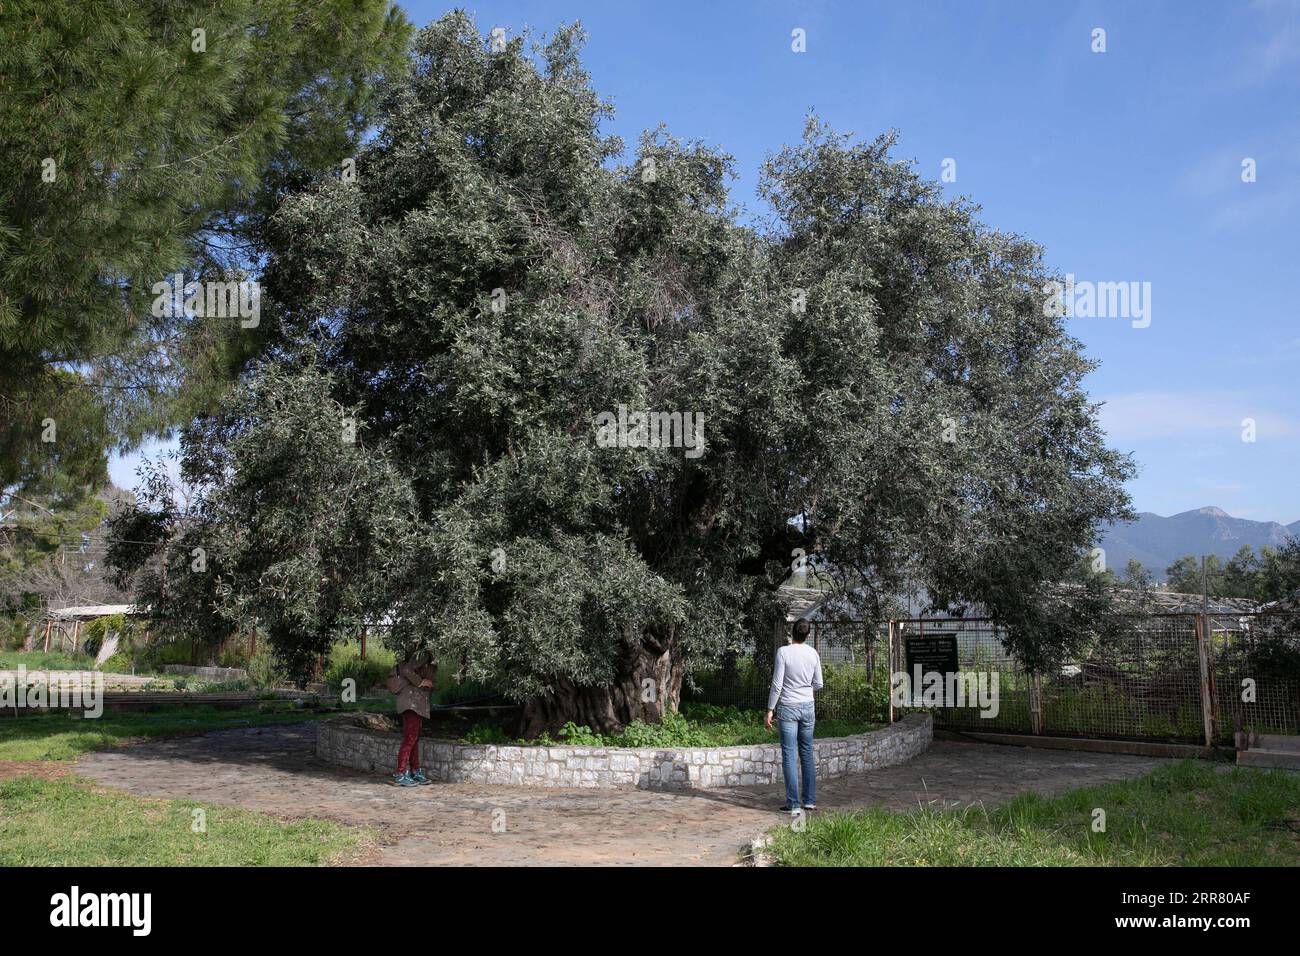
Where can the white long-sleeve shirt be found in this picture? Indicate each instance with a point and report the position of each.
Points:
(798, 673)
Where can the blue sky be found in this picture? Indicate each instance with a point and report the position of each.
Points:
(1126, 165)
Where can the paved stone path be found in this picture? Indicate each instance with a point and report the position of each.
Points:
(275, 770)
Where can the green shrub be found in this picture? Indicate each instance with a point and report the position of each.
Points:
(98, 629)
(119, 663)
(237, 685)
(264, 670)
(345, 661)
(14, 630)
(852, 692)
(486, 733)
(235, 654)
(674, 730)
(150, 658)
(698, 725)
(1274, 660)
(130, 632)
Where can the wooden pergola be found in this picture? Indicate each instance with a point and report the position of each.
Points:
(65, 623)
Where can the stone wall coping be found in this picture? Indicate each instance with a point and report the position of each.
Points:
(908, 721)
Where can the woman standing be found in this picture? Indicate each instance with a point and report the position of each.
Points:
(412, 682)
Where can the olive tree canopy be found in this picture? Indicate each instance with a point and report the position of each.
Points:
(871, 377)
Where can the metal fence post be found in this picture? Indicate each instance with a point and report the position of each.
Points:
(1208, 703)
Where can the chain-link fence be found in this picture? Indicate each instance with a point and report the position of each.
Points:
(1169, 677)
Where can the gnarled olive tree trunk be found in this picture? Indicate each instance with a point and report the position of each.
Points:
(649, 684)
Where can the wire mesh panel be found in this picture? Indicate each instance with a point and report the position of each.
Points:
(994, 688)
(847, 642)
(1256, 670)
(855, 669)
(1141, 679)
(855, 673)
(739, 681)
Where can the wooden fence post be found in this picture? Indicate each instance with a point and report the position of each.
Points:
(1209, 706)
(889, 671)
(1036, 704)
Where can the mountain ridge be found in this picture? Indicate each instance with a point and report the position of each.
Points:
(1157, 541)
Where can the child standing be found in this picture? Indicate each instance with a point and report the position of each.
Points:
(412, 682)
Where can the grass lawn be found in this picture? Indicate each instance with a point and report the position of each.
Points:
(41, 661)
(1190, 813)
(59, 736)
(48, 818)
(64, 822)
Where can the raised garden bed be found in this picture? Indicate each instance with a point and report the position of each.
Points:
(344, 742)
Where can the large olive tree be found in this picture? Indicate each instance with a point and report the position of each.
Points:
(880, 387)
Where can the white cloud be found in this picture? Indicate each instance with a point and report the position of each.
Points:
(1155, 414)
(1214, 183)
(1278, 24)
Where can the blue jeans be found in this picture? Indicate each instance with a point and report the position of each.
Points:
(796, 721)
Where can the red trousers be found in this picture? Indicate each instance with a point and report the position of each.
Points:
(408, 755)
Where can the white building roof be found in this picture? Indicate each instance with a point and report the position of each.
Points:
(89, 611)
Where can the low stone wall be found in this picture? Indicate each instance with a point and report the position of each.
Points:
(342, 742)
(211, 673)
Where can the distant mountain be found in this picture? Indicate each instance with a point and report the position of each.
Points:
(1158, 541)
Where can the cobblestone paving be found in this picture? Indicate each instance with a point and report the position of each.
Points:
(275, 770)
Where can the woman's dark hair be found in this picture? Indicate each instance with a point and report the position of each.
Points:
(801, 629)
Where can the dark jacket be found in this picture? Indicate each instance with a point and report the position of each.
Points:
(412, 696)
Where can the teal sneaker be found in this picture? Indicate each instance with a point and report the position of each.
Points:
(403, 779)
(419, 777)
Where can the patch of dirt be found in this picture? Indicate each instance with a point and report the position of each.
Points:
(41, 769)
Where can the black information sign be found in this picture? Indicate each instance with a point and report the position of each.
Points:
(931, 653)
